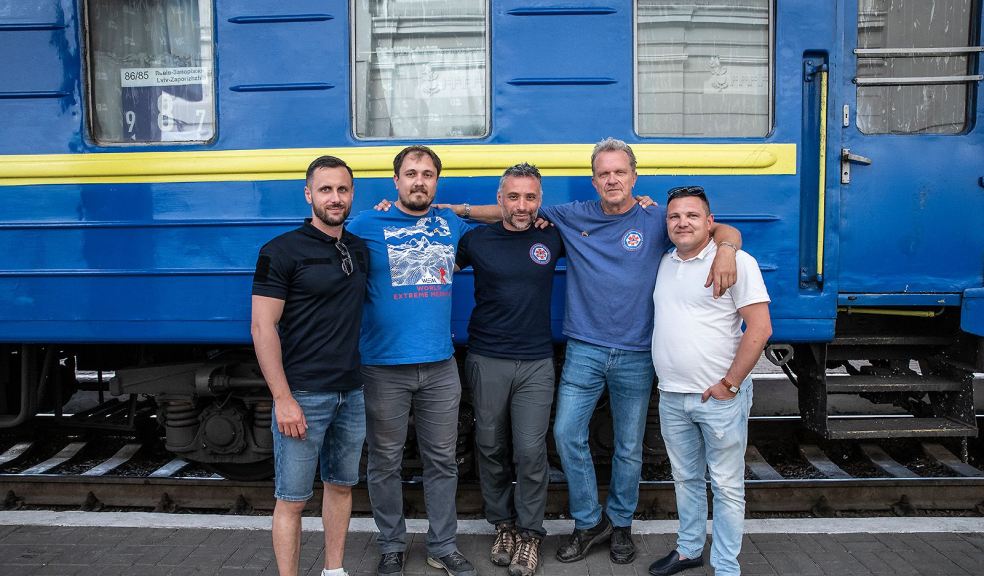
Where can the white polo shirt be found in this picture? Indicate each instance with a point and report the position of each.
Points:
(695, 337)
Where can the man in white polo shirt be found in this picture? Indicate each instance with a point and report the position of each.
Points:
(702, 360)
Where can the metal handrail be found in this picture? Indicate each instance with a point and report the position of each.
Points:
(917, 52)
(918, 80)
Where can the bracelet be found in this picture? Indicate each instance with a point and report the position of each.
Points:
(729, 245)
(467, 211)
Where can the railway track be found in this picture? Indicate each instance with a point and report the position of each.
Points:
(785, 474)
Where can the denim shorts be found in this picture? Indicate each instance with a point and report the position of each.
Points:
(336, 431)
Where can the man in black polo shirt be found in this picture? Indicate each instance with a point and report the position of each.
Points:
(510, 364)
(308, 291)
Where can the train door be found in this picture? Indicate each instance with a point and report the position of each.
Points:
(911, 155)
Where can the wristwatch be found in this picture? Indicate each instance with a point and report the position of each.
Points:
(466, 212)
(731, 387)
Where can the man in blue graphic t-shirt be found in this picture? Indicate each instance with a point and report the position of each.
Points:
(407, 360)
(614, 247)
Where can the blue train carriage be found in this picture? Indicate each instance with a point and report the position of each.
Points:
(150, 147)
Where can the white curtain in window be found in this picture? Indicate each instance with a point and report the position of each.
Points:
(420, 69)
(703, 69)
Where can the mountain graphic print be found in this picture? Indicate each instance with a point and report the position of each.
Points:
(414, 259)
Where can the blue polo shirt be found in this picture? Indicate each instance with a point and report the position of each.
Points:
(612, 261)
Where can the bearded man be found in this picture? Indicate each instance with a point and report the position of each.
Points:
(407, 360)
(308, 292)
(509, 366)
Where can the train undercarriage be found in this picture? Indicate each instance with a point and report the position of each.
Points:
(212, 407)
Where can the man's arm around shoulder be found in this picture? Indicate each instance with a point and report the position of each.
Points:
(266, 341)
(485, 213)
(724, 268)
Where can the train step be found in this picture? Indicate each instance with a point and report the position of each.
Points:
(858, 428)
(858, 384)
(910, 373)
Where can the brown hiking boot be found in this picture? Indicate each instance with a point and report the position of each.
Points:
(527, 556)
(505, 544)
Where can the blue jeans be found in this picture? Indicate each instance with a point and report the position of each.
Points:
(336, 430)
(703, 437)
(588, 369)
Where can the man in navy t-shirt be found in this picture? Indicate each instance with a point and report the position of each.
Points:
(510, 365)
(613, 247)
(407, 360)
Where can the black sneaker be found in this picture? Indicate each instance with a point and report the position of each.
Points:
(454, 564)
(622, 549)
(581, 541)
(390, 564)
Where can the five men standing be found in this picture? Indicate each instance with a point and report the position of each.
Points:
(407, 356)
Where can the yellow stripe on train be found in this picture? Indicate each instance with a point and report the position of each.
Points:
(377, 162)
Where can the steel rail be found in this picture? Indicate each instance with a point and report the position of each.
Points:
(764, 497)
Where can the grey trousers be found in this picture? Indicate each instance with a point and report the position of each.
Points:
(433, 390)
(512, 414)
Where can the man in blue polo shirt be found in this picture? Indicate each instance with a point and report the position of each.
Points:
(408, 363)
(308, 291)
(614, 247)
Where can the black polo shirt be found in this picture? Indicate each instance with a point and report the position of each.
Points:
(514, 274)
(319, 328)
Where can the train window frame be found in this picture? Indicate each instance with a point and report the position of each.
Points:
(88, 69)
(354, 97)
(771, 75)
(974, 40)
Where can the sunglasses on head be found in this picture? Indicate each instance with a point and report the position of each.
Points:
(685, 191)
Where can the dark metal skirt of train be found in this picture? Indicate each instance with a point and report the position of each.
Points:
(149, 147)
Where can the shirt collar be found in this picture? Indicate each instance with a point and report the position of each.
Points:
(709, 250)
(309, 230)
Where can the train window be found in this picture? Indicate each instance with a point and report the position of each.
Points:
(915, 62)
(150, 71)
(703, 68)
(420, 68)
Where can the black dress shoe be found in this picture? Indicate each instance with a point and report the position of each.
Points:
(576, 548)
(622, 549)
(671, 564)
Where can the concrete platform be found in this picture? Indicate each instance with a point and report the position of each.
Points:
(143, 544)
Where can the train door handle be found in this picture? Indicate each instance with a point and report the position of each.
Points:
(846, 160)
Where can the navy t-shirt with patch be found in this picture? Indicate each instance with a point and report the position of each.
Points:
(319, 327)
(514, 274)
